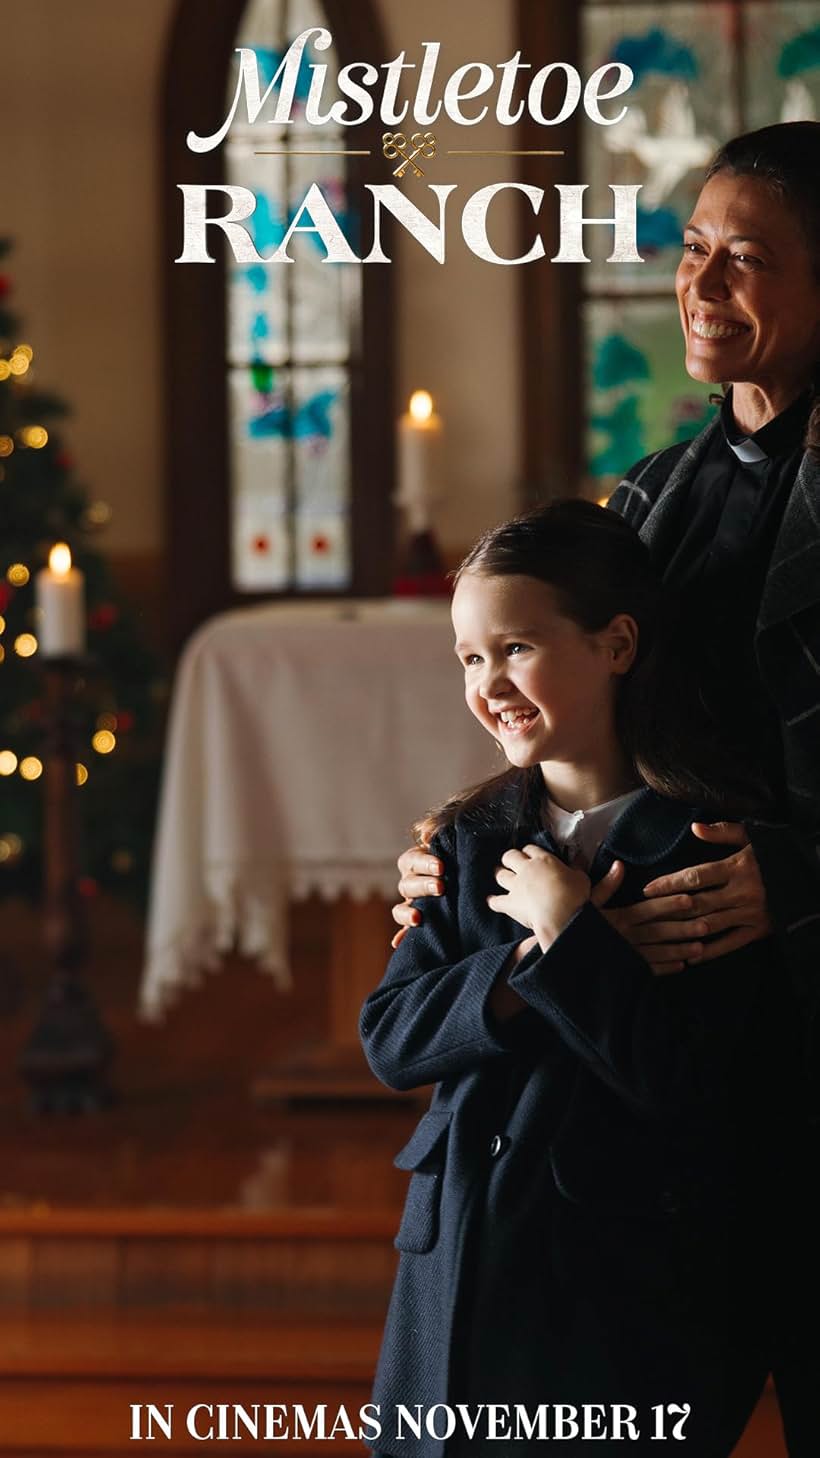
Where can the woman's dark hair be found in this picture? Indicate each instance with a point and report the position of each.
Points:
(786, 157)
(598, 567)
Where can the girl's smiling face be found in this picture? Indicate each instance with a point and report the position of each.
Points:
(536, 680)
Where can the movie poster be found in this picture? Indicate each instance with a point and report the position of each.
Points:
(301, 302)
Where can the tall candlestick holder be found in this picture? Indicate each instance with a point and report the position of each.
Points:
(420, 569)
(66, 1059)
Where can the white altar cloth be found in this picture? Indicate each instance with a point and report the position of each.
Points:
(303, 741)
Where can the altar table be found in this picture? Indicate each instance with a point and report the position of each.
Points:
(303, 741)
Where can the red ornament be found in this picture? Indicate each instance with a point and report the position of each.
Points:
(261, 544)
(6, 595)
(103, 617)
(320, 545)
(88, 887)
(125, 721)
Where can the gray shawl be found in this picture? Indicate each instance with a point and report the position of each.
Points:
(787, 647)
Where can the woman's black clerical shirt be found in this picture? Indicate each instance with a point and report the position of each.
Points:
(715, 579)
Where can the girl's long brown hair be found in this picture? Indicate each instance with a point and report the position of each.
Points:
(598, 567)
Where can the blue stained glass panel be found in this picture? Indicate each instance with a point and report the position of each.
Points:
(639, 395)
(326, 296)
(321, 426)
(681, 105)
(308, 15)
(291, 328)
(260, 526)
(258, 298)
(782, 63)
(261, 29)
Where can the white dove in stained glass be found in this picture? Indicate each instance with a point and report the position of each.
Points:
(798, 103)
(671, 152)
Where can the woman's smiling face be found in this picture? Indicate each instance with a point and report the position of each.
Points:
(747, 292)
(541, 685)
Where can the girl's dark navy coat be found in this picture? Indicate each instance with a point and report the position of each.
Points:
(590, 1215)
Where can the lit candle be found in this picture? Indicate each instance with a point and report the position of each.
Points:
(421, 438)
(60, 595)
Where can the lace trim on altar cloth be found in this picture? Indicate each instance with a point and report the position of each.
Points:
(330, 880)
(244, 909)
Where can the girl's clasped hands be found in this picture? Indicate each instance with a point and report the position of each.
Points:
(540, 891)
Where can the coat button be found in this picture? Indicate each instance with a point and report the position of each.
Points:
(496, 1145)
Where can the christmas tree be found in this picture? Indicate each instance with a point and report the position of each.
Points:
(118, 687)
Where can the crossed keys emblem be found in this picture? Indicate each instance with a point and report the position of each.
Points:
(394, 144)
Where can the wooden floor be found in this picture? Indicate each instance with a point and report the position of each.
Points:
(184, 1130)
(188, 1245)
(175, 1364)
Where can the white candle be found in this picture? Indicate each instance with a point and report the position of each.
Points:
(421, 438)
(60, 596)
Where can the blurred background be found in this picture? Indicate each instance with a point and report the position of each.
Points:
(218, 722)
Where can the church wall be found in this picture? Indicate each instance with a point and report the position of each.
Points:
(79, 127)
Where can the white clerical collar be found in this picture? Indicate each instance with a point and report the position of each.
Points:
(744, 447)
(581, 831)
(747, 450)
(783, 433)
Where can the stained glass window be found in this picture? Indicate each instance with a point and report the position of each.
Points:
(703, 72)
(292, 334)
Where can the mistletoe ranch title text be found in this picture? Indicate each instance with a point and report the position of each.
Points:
(458, 98)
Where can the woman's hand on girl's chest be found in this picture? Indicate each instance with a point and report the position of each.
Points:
(541, 891)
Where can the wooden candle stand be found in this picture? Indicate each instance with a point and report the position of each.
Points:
(66, 1058)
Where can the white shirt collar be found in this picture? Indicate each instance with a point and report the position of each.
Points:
(580, 832)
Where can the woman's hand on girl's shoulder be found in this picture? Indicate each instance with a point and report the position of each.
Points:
(421, 875)
(660, 928)
(728, 896)
(724, 896)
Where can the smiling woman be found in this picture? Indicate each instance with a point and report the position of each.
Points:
(749, 296)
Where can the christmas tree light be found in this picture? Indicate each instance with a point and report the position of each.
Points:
(43, 503)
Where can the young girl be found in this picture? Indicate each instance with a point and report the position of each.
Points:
(592, 1218)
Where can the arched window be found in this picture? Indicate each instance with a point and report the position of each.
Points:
(704, 71)
(278, 378)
